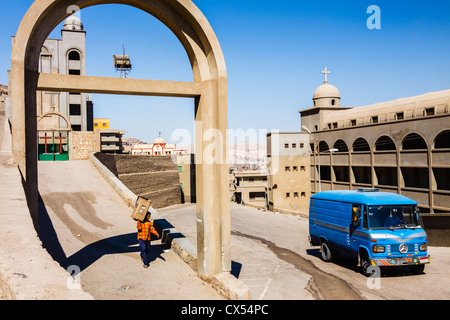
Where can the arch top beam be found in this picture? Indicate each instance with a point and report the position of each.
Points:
(182, 17)
(124, 86)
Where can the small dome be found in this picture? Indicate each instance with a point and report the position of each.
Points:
(326, 91)
(159, 140)
(73, 23)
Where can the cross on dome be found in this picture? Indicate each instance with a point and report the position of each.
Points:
(326, 73)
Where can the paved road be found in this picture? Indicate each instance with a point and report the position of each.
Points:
(85, 224)
(272, 256)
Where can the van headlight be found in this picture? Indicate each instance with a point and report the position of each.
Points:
(378, 249)
(423, 247)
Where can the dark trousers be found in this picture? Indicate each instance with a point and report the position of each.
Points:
(144, 245)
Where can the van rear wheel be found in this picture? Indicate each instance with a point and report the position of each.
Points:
(326, 252)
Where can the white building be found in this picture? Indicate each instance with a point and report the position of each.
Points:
(158, 148)
(65, 56)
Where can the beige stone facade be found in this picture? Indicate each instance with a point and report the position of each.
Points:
(400, 146)
(249, 187)
(86, 142)
(289, 174)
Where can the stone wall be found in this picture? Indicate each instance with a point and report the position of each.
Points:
(153, 177)
(83, 143)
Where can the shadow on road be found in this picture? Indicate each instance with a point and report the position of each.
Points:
(124, 243)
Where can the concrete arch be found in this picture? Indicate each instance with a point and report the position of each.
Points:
(442, 140)
(74, 49)
(42, 116)
(45, 51)
(414, 141)
(323, 146)
(341, 145)
(209, 89)
(360, 144)
(384, 143)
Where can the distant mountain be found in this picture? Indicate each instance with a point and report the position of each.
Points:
(242, 154)
(247, 154)
(3, 90)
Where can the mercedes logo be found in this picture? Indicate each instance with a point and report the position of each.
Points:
(403, 248)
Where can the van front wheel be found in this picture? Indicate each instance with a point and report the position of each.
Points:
(326, 252)
(366, 265)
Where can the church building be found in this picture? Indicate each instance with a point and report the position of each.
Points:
(400, 146)
(158, 148)
(66, 56)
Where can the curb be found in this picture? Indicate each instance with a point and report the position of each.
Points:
(224, 283)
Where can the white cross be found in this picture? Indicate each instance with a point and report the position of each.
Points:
(326, 73)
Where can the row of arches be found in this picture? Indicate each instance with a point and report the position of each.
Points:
(412, 141)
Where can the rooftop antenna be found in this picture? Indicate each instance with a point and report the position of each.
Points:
(122, 63)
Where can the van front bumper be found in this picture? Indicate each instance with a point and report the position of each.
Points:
(404, 261)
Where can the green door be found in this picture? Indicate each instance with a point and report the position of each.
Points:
(53, 146)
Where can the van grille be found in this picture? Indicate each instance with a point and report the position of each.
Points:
(395, 249)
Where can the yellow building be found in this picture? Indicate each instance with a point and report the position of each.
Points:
(101, 123)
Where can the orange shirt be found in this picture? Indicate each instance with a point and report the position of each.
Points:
(145, 229)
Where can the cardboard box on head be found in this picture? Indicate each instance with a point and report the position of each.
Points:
(143, 204)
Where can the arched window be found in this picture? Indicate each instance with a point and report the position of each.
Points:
(384, 143)
(413, 141)
(45, 63)
(340, 145)
(361, 144)
(333, 102)
(323, 146)
(442, 140)
(74, 55)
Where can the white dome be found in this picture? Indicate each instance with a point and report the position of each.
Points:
(326, 91)
(73, 23)
(159, 140)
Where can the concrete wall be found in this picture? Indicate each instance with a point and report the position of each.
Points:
(186, 170)
(153, 177)
(83, 143)
(437, 227)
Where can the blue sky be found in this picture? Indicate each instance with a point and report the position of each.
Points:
(274, 52)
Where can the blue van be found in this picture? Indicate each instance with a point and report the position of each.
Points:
(383, 229)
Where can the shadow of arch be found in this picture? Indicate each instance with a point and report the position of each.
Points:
(119, 244)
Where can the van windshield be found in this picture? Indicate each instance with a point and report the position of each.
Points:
(393, 217)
